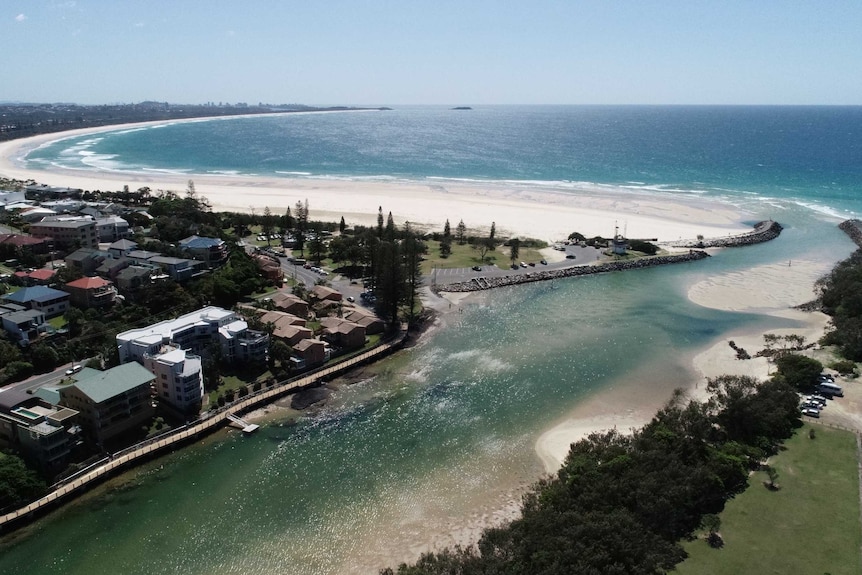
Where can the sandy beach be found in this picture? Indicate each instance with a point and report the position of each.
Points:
(523, 209)
(771, 290)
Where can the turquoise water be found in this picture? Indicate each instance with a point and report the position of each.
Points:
(740, 154)
(444, 434)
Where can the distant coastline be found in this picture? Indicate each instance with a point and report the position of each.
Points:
(25, 120)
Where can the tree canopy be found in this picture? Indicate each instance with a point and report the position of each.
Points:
(622, 503)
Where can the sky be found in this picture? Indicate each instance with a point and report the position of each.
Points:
(402, 52)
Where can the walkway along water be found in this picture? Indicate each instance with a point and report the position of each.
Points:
(209, 422)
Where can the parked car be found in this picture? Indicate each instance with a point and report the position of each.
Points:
(351, 299)
(810, 412)
(477, 268)
(523, 265)
(570, 256)
(74, 369)
(544, 262)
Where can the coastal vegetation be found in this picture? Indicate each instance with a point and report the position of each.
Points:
(624, 503)
(18, 483)
(841, 298)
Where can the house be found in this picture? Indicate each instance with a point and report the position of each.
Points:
(309, 353)
(133, 278)
(112, 228)
(122, 248)
(179, 377)
(36, 277)
(178, 269)
(110, 402)
(86, 260)
(213, 251)
(66, 233)
(35, 213)
(89, 292)
(196, 331)
(50, 301)
(290, 303)
(292, 334)
(19, 244)
(111, 267)
(141, 256)
(343, 333)
(23, 326)
(43, 433)
(366, 319)
(280, 318)
(324, 293)
(269, 268)
(286, 327)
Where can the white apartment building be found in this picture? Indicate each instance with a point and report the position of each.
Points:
(179, 379)
(196, 331)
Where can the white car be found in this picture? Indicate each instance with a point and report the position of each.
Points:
(74, 369)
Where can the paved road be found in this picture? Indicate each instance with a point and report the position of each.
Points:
(38, 381)
(308, 277)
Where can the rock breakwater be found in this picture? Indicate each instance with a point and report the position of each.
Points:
(763, 232)
(484, 283)
(852, 228)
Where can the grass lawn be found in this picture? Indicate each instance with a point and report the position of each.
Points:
(57, 322)
(461, 257)
(811, 525)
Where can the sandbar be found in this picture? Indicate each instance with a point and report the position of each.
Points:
(526, 209)
(772, 290)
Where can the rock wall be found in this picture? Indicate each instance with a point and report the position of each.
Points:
(763, 232)
(483, 283)
(852, 229)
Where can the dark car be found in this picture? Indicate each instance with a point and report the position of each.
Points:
(477, 268)
(544, 262)
(570, 256)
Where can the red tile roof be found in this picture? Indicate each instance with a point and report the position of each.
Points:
(43, 274)
(89, 283)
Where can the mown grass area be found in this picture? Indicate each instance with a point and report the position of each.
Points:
(810, 525)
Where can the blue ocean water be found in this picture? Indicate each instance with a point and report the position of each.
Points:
(439, 436)
(804, 154)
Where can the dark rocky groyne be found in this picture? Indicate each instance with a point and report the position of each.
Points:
(483, 283)
(853, 228)
(763, 232)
